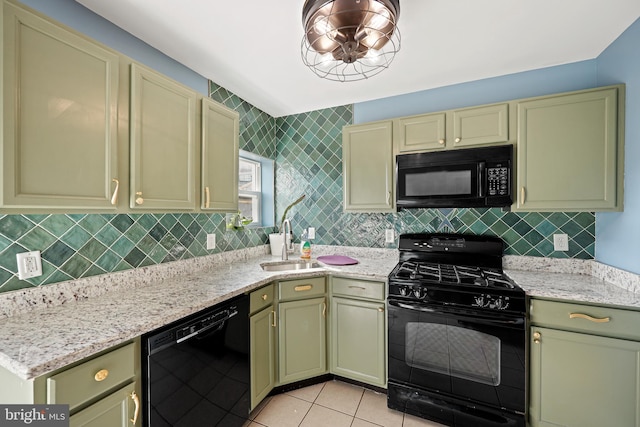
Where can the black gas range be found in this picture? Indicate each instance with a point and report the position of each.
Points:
(455, 270)
(456, 332)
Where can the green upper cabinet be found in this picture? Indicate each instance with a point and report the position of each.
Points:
(368, 167)
(60, 106)
(419, 133)
(220, 133)
(163, 142)
(570, 152)
(481, 125)
(484, 125)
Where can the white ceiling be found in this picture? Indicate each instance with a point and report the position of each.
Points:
(252, 48)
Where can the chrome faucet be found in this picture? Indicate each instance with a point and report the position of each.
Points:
(285, 249)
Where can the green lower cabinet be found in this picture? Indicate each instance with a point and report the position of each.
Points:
(302, 343)
(582, 380)
(263, 353)
(358, 345)
(119, 409)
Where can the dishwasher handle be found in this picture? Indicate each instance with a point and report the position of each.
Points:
(198, 328)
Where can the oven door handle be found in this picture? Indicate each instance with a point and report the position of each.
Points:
(511, 321)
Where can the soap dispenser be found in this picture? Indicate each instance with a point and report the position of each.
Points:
(305, 245)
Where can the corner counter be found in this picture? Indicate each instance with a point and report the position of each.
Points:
(46, 328)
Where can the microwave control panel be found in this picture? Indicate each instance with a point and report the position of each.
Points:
(498, 176)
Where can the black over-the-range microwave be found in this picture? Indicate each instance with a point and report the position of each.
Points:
(473, 177)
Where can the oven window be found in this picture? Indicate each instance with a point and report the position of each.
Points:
(455, 351)
(438, 183)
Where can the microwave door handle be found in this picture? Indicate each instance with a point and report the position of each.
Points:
(482, 179)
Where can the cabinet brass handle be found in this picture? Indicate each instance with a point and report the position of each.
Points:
(587, 317)
(274, 318)
(324, 309)
(139, 199)
(357, 287)
(300, 288)
(264, 297)
(441, 141)
(207, 197)
(101, 375)
(536, 337)
(388, 197)
(522, 196)
(136, 411)
(114, 197)
(458, 139)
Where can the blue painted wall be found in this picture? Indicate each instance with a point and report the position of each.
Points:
(565, 78)
(618, 234)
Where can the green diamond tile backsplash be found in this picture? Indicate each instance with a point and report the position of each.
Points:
(308, 152)
(309, 161)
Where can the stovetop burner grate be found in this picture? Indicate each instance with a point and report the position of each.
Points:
(453, 274)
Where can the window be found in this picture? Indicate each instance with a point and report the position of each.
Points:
(255, 188)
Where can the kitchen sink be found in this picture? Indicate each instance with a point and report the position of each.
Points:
(289, 265)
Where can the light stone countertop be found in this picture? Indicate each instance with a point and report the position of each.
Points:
(46, 328)
(42, 340)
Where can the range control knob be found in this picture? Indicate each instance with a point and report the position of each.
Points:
(417, 292)
(403, 291)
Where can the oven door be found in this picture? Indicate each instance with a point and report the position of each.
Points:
(464, 354)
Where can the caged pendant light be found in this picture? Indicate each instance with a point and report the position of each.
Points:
(349, 40)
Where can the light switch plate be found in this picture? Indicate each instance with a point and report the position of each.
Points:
(311, 232)
(29, 265)
(560, 242)
(211, 241)
(389, 235)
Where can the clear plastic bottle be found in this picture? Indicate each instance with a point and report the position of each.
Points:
(305, 246)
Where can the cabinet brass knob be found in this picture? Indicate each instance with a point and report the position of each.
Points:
(536, 337)
(380, 309)
(139, 199)
(136, 411)
(264, 297)
(101, 375)
(441, 141)
(458, 139)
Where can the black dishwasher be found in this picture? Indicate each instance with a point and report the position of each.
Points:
(196, 370)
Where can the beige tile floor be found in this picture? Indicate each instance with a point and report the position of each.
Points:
(331, 404)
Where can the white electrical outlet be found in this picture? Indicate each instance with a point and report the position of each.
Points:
(211, 241)
(311, 233)
(389, 235)
(560, 242)
(29, 265)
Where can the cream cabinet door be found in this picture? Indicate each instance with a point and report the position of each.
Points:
(481, 125)
(425, 132)
(568, 152)
(220, 133)
(60, 107)
(163, 142)
(367, 162)
(583, 380)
